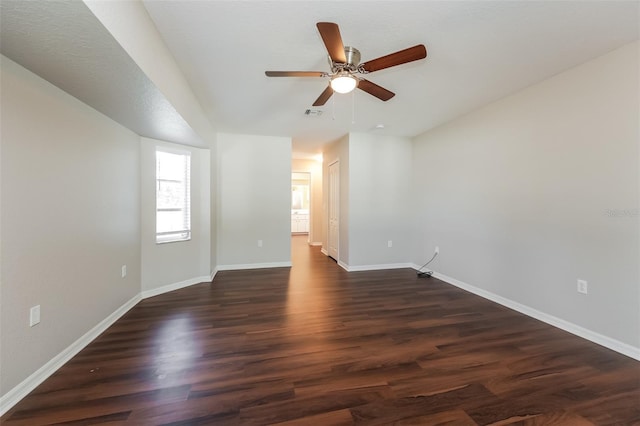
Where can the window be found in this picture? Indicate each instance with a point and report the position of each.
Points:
(173, 196)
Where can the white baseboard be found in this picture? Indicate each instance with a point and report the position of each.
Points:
(11, 398)
(213, 274)
(175, 286)
(324, 251)
(378, 267)
(360, 268)
(602, 340)
(316, 243)
(254, 266)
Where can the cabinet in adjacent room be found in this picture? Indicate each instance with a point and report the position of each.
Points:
(299, 222)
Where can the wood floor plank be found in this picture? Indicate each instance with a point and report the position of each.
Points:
(443, 418)
(332, 418)
(307, 406)
(560, 418)
(390, 411)
(314, 344)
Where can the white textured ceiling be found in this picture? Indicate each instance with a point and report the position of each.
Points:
(478, 51)
(63, 42)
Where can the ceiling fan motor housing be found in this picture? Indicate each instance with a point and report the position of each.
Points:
(353, 56)
(351, 65)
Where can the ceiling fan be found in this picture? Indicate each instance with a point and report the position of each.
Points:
(345, 65)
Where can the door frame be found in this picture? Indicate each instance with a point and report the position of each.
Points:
(330, 201)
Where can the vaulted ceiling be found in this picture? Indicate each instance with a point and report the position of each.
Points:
(478, 52)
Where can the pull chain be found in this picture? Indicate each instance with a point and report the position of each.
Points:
(353, 107)
(333, 107)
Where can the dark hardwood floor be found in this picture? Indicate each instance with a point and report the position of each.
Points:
(317, 345)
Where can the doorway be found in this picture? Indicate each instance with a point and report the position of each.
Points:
(300, 202)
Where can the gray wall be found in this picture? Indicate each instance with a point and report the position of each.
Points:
(379, 201)
(254, 201)
(172, 263)
(70, 214)
(375, 200)
(537, 190)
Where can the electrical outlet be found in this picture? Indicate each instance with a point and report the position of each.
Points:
(389, 243)
(437, 250)
(124, 271)
(34, 316)
(259, 243)
(583, 287)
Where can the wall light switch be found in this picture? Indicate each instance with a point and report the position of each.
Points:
(389, 243)
(437, 250)
(259, 243)
(124, 271)
(34, 316)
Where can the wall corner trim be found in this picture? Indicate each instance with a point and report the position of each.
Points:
(592, 336)
(11, 398)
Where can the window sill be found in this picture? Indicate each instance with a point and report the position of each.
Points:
(172, 241)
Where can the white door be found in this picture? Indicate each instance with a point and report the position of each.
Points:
(334, 209)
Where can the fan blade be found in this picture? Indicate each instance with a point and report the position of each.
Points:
(398, 58)
(295, 73)
(330, 34)
(375, 90)
(324, 97)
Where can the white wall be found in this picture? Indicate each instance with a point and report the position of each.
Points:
(519, 196)
(314, 168)
(337, 151)
(183, 262)
(254, 201)
(70, 219)
(380, 207)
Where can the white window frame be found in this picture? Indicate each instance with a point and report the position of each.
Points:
(185, 233)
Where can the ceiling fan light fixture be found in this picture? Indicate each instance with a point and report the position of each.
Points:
(344, 62)
(344, 82)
